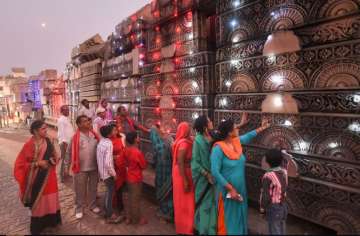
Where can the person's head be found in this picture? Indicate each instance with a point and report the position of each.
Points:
(203, 124)
(38, 128)
(119, 127)
(104, 103)
(183, 131)
(108, 131)
(122, 111)
(84, 123)
(274, 158)
(101, 112)
(226, 130)
(132, 138)
(85, 103)
(65, 110)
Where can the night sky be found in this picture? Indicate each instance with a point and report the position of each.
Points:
(39, 34)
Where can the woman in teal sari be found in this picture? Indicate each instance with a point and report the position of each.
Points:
(228, 169)
(205, 212)
(163, 177)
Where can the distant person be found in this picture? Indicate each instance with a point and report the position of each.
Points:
(65, 133)
(108, 112)
(119, 144)
(162, 143)
(100, 120)
(107, 173)
(274, 188)
(86, 110)
(183, 186)
(81, 155)
(129, 124)
(35, 171)
(135, 164)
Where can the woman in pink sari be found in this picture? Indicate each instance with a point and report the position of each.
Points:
(35, 171)
(184, 199)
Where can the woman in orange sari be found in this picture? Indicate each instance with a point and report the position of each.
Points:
(183, 195)
(35, 171)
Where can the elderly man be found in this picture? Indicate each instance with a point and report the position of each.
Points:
(81, 154)
(100, 119)
(128, 124)
(65, 132)
(86, 110)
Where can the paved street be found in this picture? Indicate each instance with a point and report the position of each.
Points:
(15, 218)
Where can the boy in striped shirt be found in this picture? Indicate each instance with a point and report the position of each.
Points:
(274, 186)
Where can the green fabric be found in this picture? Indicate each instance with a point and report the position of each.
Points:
(205, 215)
(163, 176)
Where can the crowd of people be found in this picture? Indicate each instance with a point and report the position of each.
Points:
(199, 181)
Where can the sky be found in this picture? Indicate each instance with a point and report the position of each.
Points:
(40, 34)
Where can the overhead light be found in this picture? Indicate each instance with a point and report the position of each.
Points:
(355, 127)
(304, 145)
(195, 115)
(195, 84)
(278, 101)
(192, 70)
(287, 123)
(277, 79)
(233, 23)
(198, 100)
(333, 145)
(357, 98)
(236, 3)
(234, 62)
(223, 102)
(228, 83)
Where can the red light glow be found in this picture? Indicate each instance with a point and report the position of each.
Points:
(178, 29)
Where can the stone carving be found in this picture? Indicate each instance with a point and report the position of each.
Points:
(284, 79)
(341, 146)
(284, 18)
(337, 75)
(334, 8)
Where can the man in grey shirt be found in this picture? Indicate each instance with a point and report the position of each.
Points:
(81, 154)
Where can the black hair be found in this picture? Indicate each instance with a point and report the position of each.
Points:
(36, 125)
(120, 107)
(201, 124)
(106, 130)
(224, 129)
(274, 157)
(82, 101)
(131, 137)
(78, 119)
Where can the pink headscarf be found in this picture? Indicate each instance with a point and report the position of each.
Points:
(182, 136)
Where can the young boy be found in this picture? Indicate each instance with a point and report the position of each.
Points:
(273, 192)
(135, 164)
(106, 169)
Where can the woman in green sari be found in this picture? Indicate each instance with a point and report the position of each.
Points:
(162, 143)
(205, 210)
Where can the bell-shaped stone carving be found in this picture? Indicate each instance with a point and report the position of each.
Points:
(281, 42)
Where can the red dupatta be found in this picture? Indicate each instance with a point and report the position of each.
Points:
(75, 161)
(181, 137)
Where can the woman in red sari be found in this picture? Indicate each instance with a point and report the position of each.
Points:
(35, 171)
(120, 167)
(184, 199)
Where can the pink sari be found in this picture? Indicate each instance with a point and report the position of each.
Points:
(184, 203)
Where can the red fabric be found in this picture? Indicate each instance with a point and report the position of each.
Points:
(135, 163)
(120, 164)
(184, 203)
(22, 168)
(75, 161)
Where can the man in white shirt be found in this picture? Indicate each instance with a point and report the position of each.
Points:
(65, 133)
(86, 110)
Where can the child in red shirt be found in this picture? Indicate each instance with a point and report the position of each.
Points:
(135, 164)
